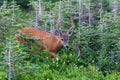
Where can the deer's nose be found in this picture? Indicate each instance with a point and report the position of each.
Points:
(67, 46)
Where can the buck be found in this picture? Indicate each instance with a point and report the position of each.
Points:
(51, 42)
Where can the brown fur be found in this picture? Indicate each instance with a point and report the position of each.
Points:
(49, 41)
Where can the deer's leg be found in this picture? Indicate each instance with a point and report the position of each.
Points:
(54, 55)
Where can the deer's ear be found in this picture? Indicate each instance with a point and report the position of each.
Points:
(70, 33)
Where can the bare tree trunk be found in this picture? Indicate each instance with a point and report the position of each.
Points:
(79, 33)
(38, 15)
(115, 5)
(59, 13)
(52, 22)
(9, 64)
(10, 48)
(89, 12)
(101, 18)
(70, 9)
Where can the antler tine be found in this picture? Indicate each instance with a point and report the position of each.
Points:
(58, 31)
(58, 23)
(72, 25)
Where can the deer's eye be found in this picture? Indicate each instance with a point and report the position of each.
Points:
(62, 39)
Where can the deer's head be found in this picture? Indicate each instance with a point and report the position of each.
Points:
(64, 37)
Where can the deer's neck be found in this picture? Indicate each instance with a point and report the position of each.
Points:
(60, 45)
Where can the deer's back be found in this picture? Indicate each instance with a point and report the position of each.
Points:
(49, 41)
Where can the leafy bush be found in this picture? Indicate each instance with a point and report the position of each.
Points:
(3, 74)
(100, 58)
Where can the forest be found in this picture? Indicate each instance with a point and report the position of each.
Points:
(94, 46)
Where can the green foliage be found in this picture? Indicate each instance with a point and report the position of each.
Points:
(100, 58)
(25, 4)
(11, 18)
(113, 76)
(3, 74)
(101, 48)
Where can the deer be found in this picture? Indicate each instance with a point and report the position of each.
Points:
(51, 42)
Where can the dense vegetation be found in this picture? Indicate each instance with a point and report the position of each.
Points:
(97, 34)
